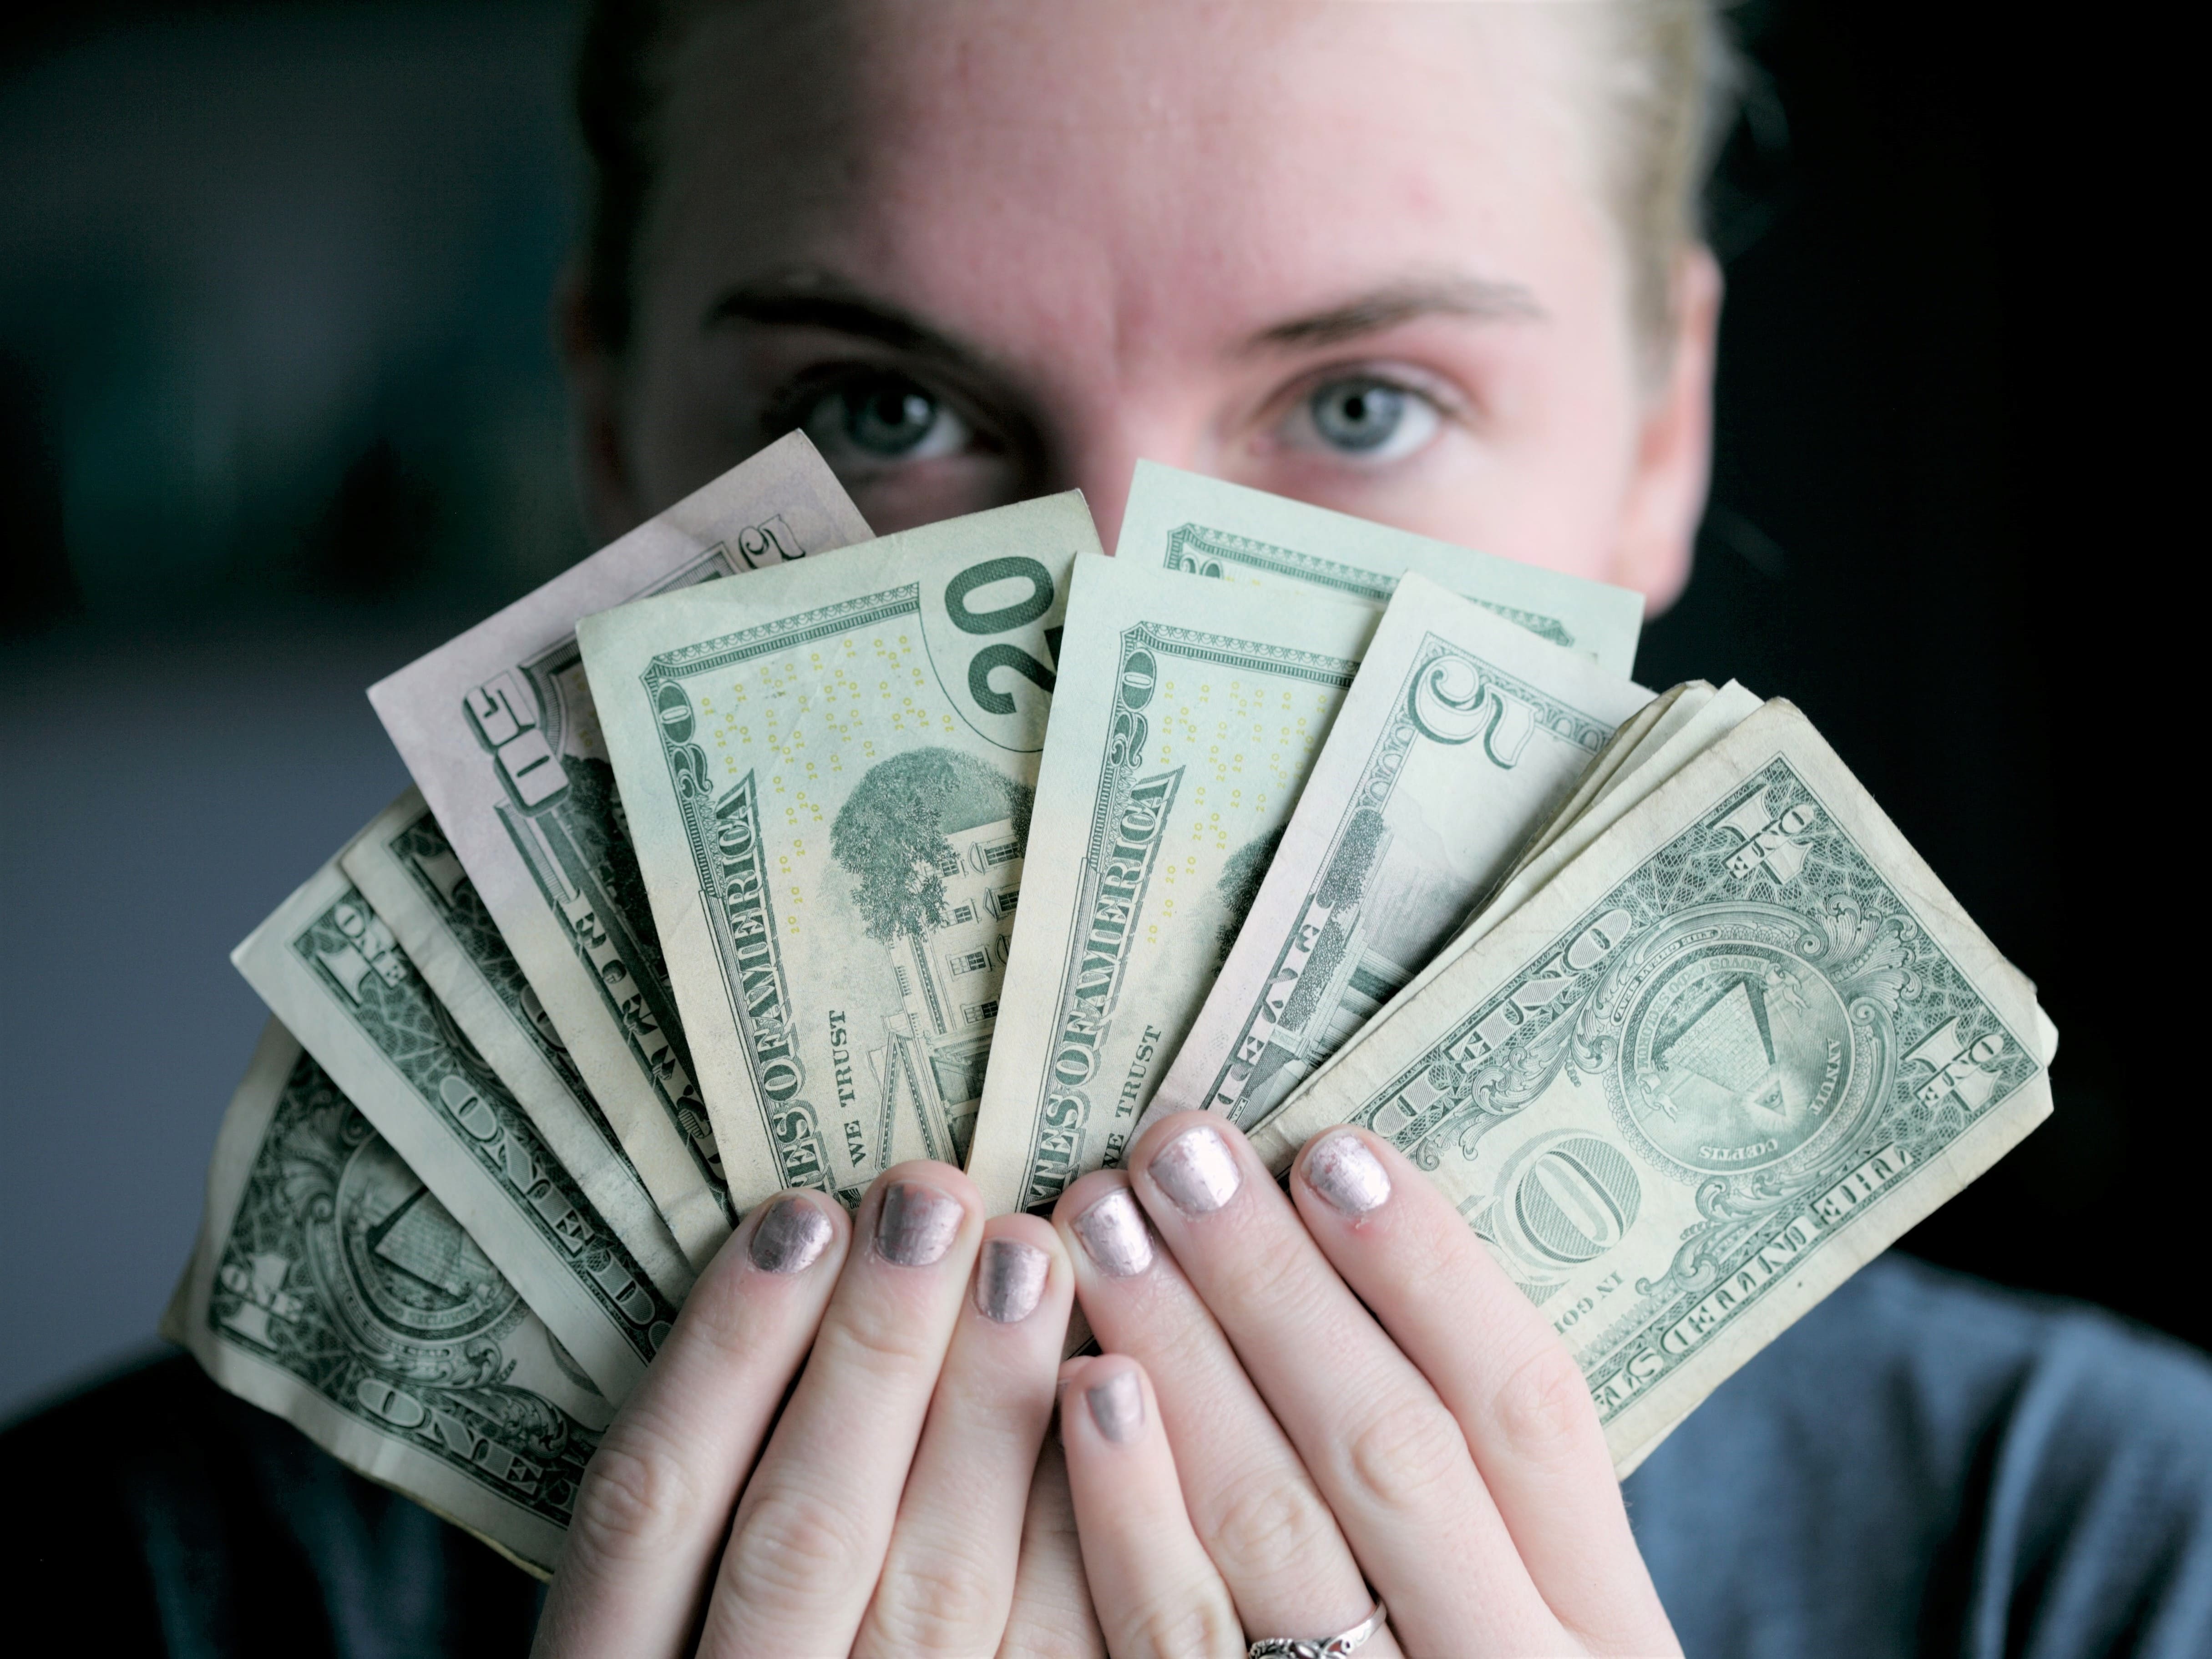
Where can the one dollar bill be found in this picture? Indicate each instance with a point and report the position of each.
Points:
(329, 1287)
(405, 868)
(498, 728)
(330, 967)
(829, 772)
(1716, 1063)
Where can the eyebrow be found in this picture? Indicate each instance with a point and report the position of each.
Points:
(823, 299)
(813, 299)
(1398, 303)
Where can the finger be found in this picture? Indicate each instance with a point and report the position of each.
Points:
(655, 1499)
(1051, 1617)
(1387, 1457)
(1500, 1369)
(1157, 1594)
(1258, 1511)
(812, 1527)
(948, 1577)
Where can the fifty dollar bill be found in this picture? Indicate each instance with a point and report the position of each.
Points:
(498, 728)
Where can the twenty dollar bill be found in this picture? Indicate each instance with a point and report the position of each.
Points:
(1188, 716)
(829, 773)
(1185, 521)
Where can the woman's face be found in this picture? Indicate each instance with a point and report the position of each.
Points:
(979, 249)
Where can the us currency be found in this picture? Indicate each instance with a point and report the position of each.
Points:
(1188, 716)
(1460, 734)
(1692, 722)
(829, 771)
(329, 1287)
(499, 730)
(405, 868)
(1721, 1059)
(1179, 520)
(329, 967)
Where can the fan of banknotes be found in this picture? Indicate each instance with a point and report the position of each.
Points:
(753, 852)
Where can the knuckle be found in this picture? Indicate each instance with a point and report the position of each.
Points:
(1543, 1407)
(1207, 1627)
(881, 1341)
(1399, 1455)
(1049, 1626)
(944, 1604)
(638, 1497)
(791, 1546)
(1265, 1520)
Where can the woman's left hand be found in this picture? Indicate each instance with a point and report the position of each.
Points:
(1256, 1442)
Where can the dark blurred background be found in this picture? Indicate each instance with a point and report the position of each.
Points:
(278, 411)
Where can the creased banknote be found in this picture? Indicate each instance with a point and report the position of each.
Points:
(329, 1287)
(1181, 520)
(1460, 734)
(498, 728)
(1188, 718)
(1724, 1056)
(1696, 718)
(829, 772)
(329, 967)
(406, 869)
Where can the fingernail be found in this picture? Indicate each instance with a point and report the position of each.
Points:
(1115, 1236)
(1009, 1280)
(1117, 1406)
(790, 1238)
(916, 1224)
(1346, 1175)
(1197, 1170)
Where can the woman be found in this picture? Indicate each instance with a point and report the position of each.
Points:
(1434, 265)
(1437, 265)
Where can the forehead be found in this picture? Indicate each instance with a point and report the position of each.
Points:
(1119, 161)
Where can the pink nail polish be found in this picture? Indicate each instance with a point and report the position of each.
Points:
(1115, 1235)
(1197, 1170)
(916, 1225)
(1009, 1280)
(790, 1237)
(1117, 1406)
(1348, 1177)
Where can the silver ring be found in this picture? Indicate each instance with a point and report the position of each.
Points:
(1331, 1647)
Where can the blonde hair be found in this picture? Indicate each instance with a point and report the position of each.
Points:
(1665, 74)
(1668, 77)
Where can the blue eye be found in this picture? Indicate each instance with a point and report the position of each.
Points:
(1370, 418)
(882, 418)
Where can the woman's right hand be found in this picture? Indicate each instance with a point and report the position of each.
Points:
(879, 1510)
